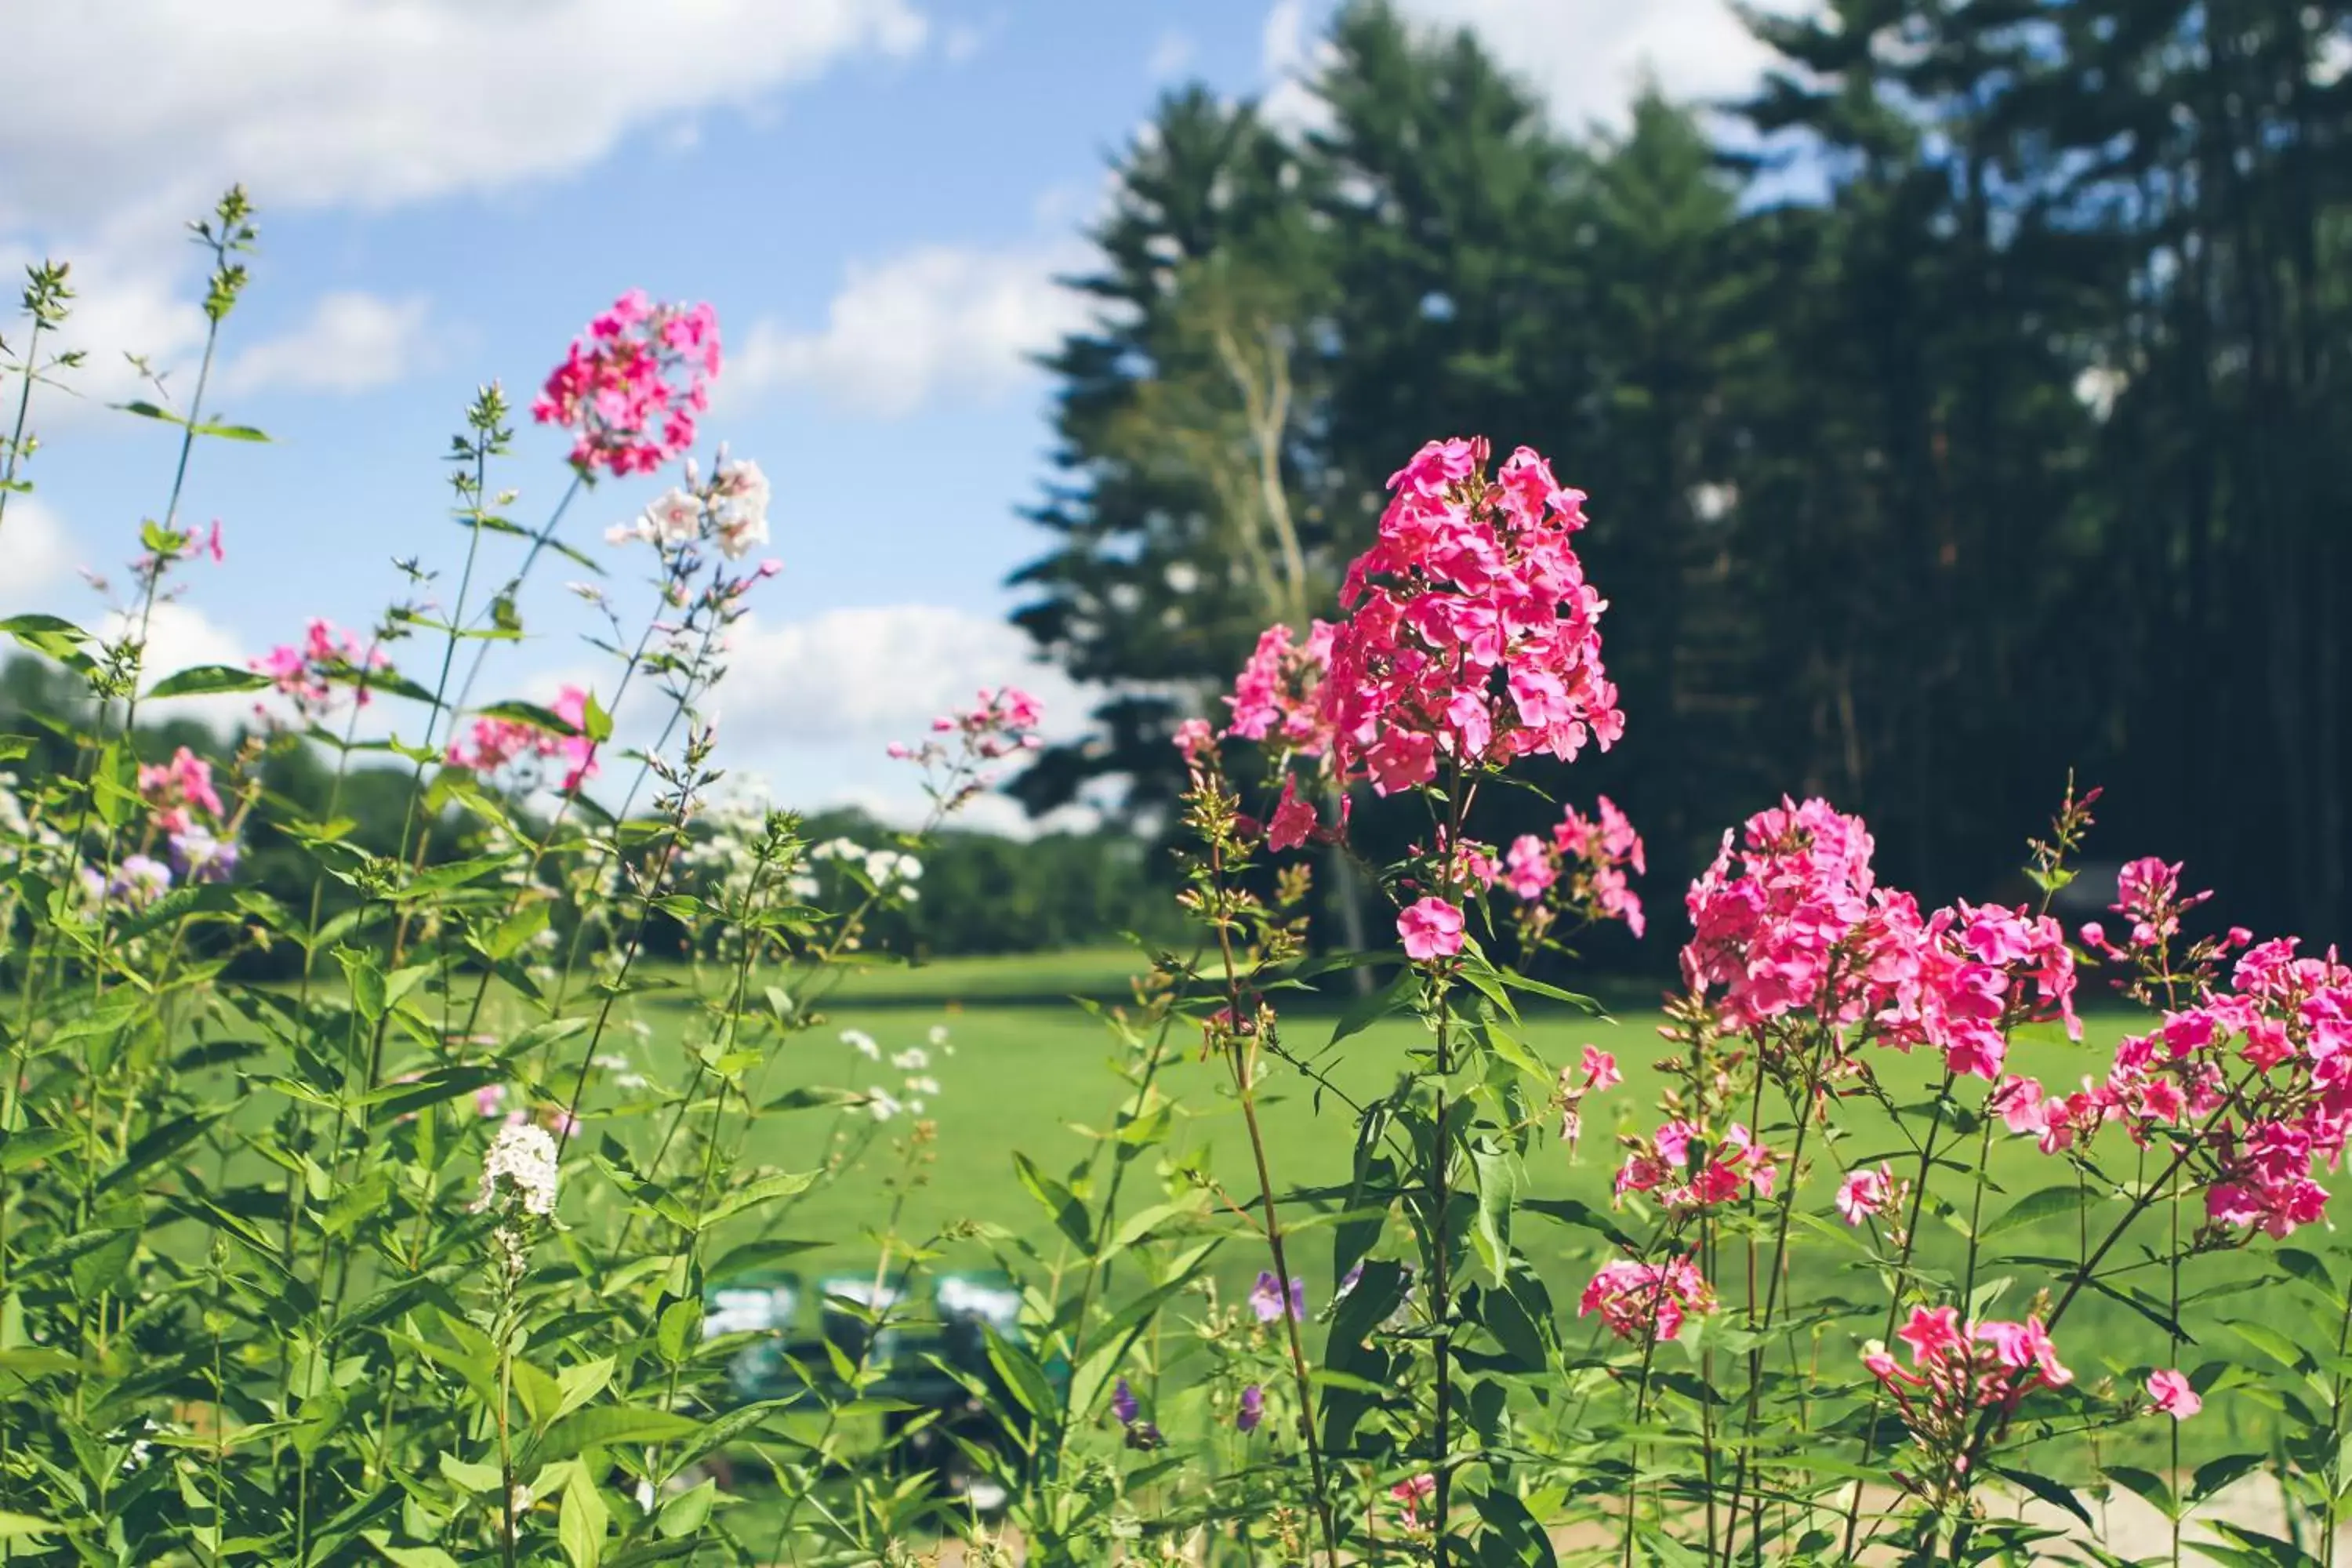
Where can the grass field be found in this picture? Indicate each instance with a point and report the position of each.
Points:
(1027, 1064)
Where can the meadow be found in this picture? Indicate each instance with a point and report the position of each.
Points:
(1028, 1067)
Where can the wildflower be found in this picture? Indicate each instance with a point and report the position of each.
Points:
(1641, 1300)
(1431, 927)
(139, 880)
(1410, 1495)
(174, 789)
(1865, 1193)
(1293, 822)
(740, 508)
(1267, 1299)
(198, 856)
(861, 1042)
(1252, 1408)
(1599, 1070)
(882, 1103)
(307, 673)
(2170, 1395)
(489, 1100)
(520, 1165)
(631, 387)
(1123, 1404)
(1471, 634)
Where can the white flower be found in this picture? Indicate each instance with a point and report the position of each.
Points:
(522, 1161)
(861, 1042)
(741, 493)
(938, 1035)
(920, 1083)
(883, 1103)
(802, 888)
(673, 520)
(519, 1501)
(914, 1059)
(610, 1061)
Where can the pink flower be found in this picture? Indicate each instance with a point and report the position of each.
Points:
(1637, 1301)
(173, 789)
(1932, 1333)
(1865, 1193)
(630, 387)
(2170, 1395)
(1294, 820)
(1193, 738)
(1431, 927)
(1600, 1069)
(1528, 868)
(1471, 633)
(1409, 1496)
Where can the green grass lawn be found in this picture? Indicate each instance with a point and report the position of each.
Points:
(1021, 1071)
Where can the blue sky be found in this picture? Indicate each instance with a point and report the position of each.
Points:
(877, 196)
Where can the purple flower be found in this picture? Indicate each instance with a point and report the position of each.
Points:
(141, 879)
(202, 857)
(1122, 1403)
(1252, 1410)
(1266, 1301)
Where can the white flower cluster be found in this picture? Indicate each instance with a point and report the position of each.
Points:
(917, 1087)
(735, 506)
(521, 1161)
(730, 848)
(891, 871)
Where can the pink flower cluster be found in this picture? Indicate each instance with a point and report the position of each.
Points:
(1590, 858)
(1795, 923)
(999, 724)
(173, 790)
(1957, 1371)
(1278, 693)
(2252, 1077)
(1642, 1300)
(1599, 1074)
(494, 744)
(1472, 634)
(630, 387)
(1866, 1192)
(1664, 1167)
(307, 672)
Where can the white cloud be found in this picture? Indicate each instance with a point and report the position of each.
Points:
(1589, 56)
(351, 342)
(939, 322)
(879, 673)
(1290, 61)
(182, 636)
(40, 554)
(1170, 55)
(126, 119)
(376, 102)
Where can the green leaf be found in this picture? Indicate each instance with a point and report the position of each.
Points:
(232, 432)
(606, 1425)
(2033, 1209)
(24, 1147)
(207, 680)
(532, 715)
(687, 1512)
(1069, 1214)
(1370, 1009)
(2048, 1491)
(580, 1521)
(472, 1477)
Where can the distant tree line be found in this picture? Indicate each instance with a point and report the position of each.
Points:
(978, 894)
(2019, 440)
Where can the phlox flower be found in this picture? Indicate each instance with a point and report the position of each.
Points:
(2169, 1394)
(1252, 1410)
(1864, 1192)
(1431, 928)
(630, 387)
(1639, 1300)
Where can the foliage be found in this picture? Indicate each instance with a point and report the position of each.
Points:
(1980, 370)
